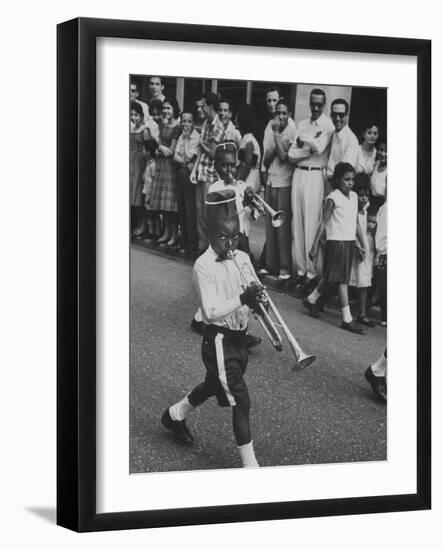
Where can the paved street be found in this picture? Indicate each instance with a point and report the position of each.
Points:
(323, 414)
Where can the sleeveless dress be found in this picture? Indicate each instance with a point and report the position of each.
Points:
(164, 193)
(137, 166)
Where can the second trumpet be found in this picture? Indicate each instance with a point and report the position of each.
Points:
(253, 199)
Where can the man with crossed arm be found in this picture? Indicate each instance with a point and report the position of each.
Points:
(309, 153)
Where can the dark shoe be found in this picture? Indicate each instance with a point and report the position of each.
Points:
(312, 308)
(366, 321)
(197, 326)
(300, 280)
(351, 327)
(378, 385)
(252, 341)
(180, 431)
(310, 284)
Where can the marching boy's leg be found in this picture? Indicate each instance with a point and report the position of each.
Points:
(241, 429)
(225, 305)
(174, 417)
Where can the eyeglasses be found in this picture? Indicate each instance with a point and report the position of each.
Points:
(338, 115)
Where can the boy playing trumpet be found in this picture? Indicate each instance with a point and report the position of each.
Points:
(225, 307)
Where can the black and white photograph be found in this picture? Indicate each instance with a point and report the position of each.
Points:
(195, 288)
(258, 273)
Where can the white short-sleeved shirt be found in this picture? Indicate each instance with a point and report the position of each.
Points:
(342, 223)
(378, 181)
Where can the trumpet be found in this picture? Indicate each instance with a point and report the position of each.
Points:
(255, 201)
(278, 216)
(269, 325)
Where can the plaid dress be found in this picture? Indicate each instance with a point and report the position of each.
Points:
(164, 195)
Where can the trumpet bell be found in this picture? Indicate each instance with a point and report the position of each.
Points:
(278, 218)
(303, 362)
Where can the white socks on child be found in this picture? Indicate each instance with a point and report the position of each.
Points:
(380, 366)
(180, 410)
(312, 297)
(247, 456)
(346, 315)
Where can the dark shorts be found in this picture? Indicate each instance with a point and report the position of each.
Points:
(225, 358)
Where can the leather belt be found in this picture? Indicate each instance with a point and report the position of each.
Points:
(309, 167)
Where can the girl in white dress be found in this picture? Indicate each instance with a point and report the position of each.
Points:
(341, 225)
(362, 267)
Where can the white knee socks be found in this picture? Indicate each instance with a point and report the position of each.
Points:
(346, 315)
(180, 410)
(313, 296)
(379, 367)
(247, 456)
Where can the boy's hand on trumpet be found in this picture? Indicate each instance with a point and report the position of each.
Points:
(252, 295)
(248, 197)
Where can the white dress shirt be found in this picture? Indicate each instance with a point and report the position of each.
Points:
(344, 148)
(219, 286)
(316, 134)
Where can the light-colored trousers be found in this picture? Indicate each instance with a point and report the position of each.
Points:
(200, 197)
(307, 199)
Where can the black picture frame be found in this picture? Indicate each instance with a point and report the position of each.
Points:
(76, 273)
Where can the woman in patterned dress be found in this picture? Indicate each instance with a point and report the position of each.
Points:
(138, 133)
(164, 194)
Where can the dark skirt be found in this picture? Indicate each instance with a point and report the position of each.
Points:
(338, 261)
